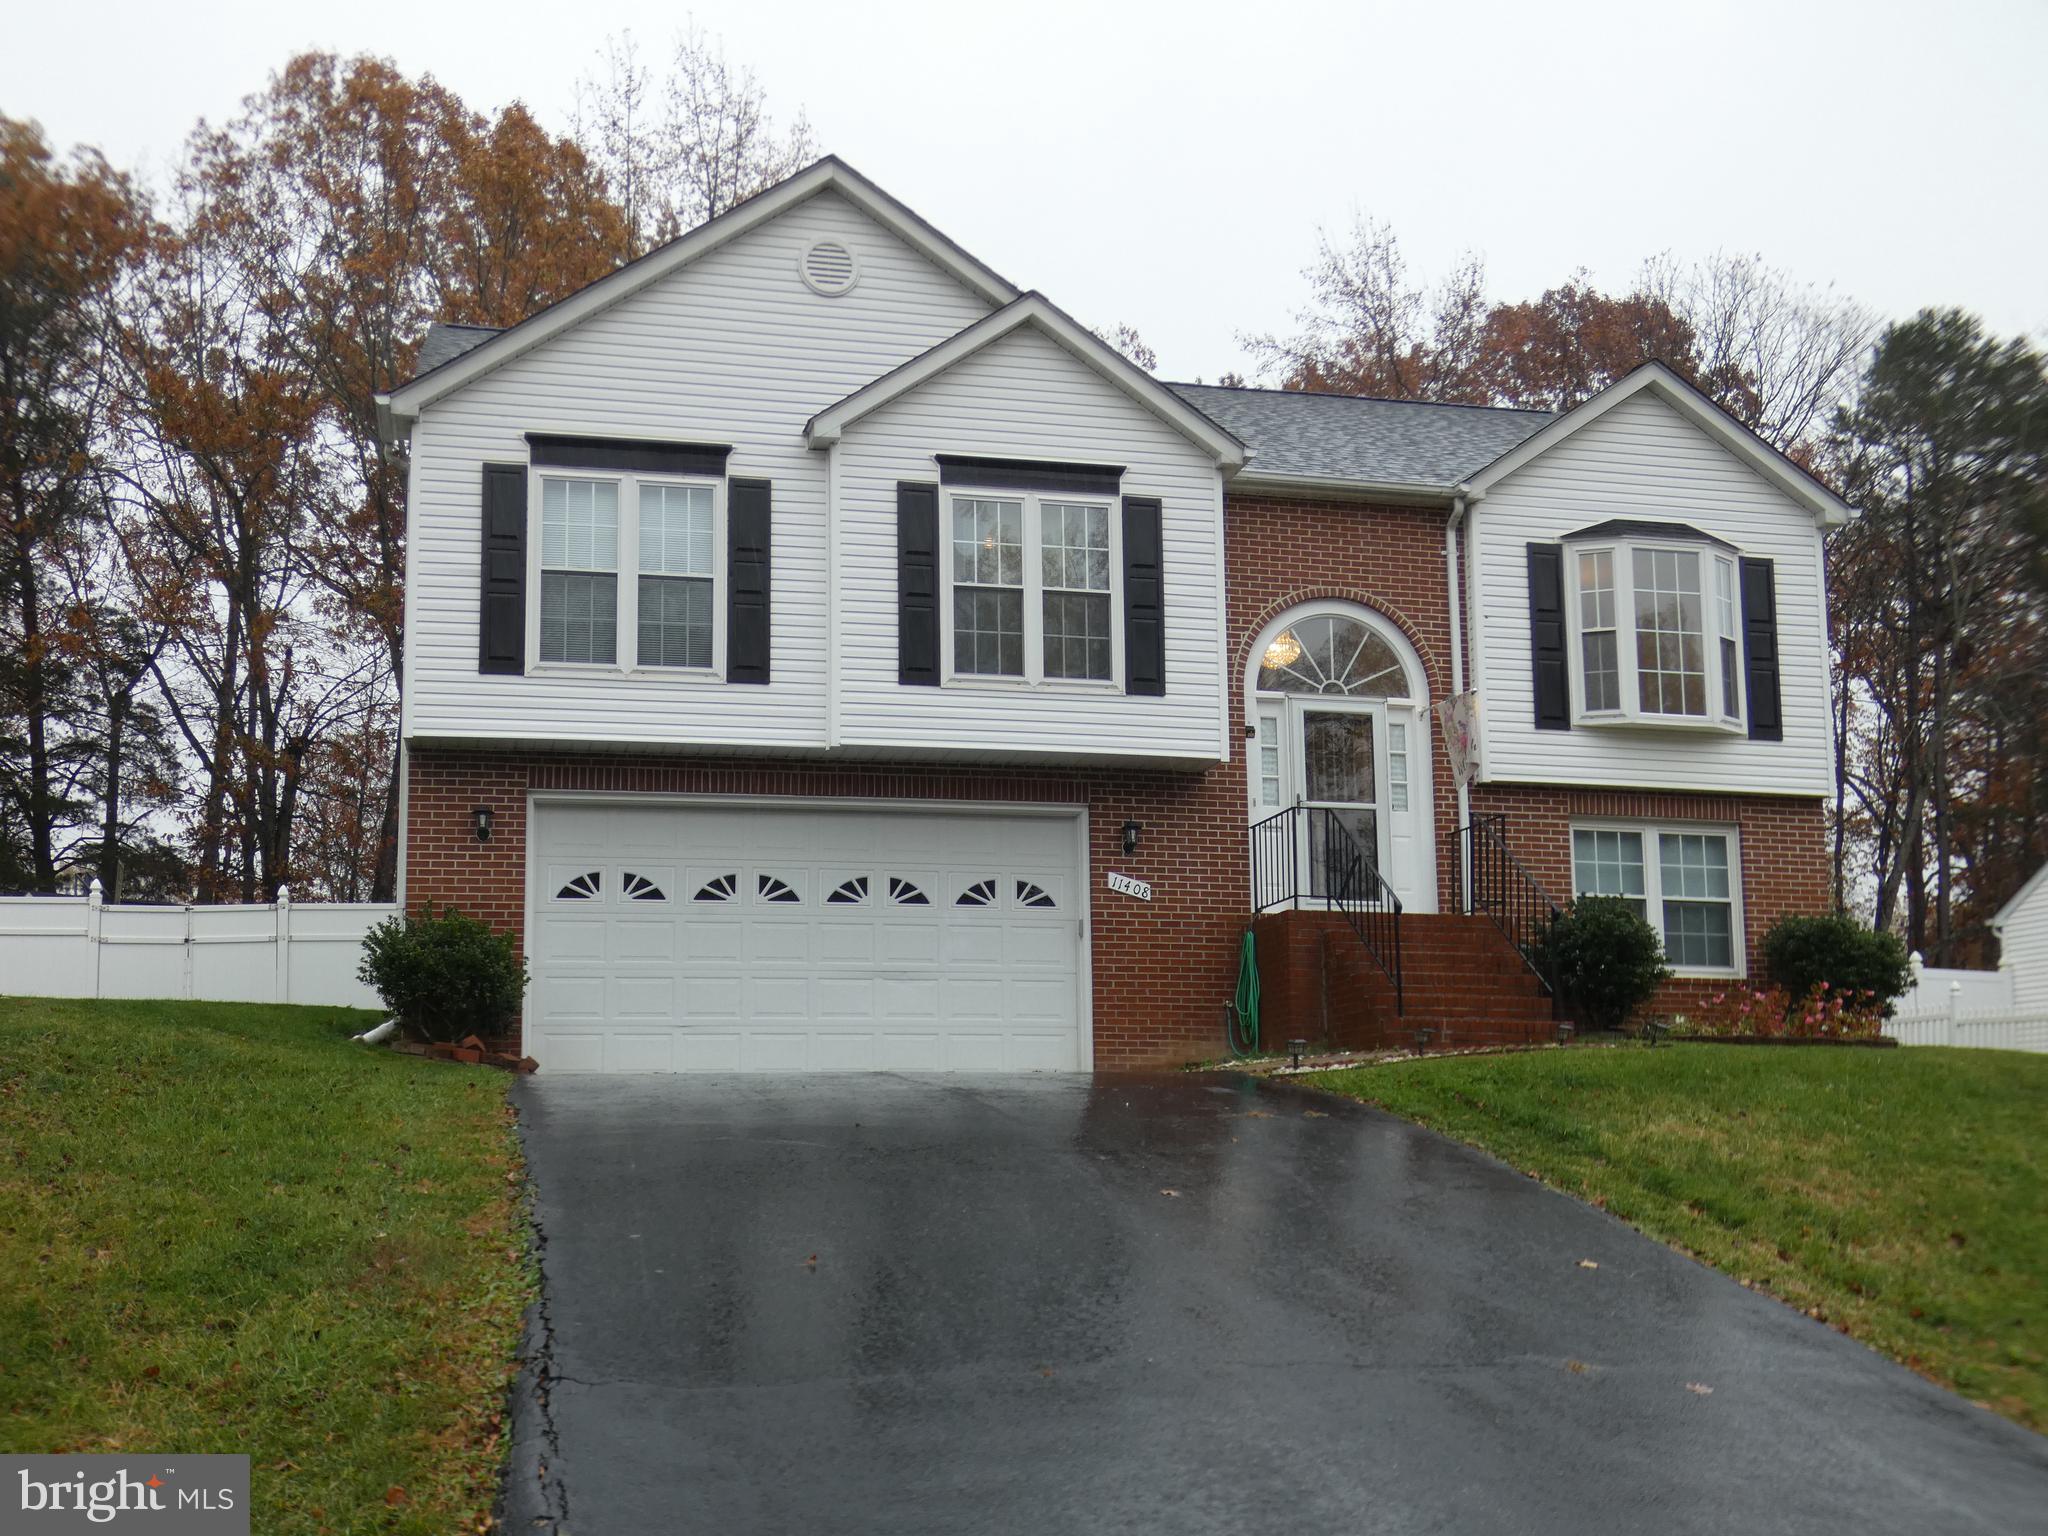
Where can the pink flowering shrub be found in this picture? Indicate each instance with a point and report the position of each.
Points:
(1825, 1013)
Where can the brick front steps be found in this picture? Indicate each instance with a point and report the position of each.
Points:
(1463, 984)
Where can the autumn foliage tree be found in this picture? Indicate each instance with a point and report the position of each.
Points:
(347, 207)
(1777, 355)
(70, 233)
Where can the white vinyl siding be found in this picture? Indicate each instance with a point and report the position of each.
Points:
(1026, 397)
(731, 349)
(1644, 461)
(2023, 946)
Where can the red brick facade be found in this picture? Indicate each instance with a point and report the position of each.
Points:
(1282, 553)
(1162, 970)
(1783, 845)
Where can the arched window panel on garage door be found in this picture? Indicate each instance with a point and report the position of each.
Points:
(646, 883)
(572, 882)
(713, 884)
(780, 887)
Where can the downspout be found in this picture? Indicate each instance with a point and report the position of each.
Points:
(1451, 528)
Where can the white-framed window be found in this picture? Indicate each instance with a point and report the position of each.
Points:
(1683, 878)
(628, 570)
(1033, 592)
(579, 570)
(1654, 634)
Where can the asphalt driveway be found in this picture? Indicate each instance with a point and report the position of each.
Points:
(1181, 1304)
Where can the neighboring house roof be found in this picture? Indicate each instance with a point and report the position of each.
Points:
(1302, 439)
(2019, 897)
(445, 343)
(1828, 509)
(404, 403)
(1036, 311)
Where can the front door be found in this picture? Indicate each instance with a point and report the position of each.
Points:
(1339, 771)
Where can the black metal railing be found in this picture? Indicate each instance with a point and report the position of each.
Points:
(1497, 885)
(1306, 854)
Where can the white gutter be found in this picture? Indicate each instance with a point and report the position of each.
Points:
(1250, 479)
(1451, 528)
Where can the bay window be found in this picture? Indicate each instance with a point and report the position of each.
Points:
(1681, 879)
(629, 568)
(1033, 588)
(1655, 637)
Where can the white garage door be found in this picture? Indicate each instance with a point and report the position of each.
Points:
(671, 938)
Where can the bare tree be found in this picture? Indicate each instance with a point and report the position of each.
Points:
(1783, 356)
(679, 148)
(1125, 339)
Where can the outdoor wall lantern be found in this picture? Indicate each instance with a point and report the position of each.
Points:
(482, 817)
(1131, 831)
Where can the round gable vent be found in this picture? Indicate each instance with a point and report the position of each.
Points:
(830, 269)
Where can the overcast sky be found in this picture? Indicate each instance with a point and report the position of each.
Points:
(1169, 166)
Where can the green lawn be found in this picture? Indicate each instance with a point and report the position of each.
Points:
(226, 1228)
(1899, 1195)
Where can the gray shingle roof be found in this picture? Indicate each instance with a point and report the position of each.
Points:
(1344, 437)
(1322, 437)
(445, 343)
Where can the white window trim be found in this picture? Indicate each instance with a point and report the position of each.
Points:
(1631, 712)
(627, 646)
(1653, 882)
(1034, 592)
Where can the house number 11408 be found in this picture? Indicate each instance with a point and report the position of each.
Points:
(1129, 887)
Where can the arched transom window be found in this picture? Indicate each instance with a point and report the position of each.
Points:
(1331, 653)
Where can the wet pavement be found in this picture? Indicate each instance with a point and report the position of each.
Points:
(1182, 1304)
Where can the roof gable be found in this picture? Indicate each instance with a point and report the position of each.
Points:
(1035, 311)
(1828, 509)
(2020, 897)
(464, 354)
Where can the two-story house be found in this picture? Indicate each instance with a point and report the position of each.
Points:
(824, 654)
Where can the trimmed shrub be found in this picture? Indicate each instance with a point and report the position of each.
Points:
(1606, 959)
(444, 975)
(1807, 955)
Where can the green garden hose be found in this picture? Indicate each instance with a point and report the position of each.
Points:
(1244, 1007)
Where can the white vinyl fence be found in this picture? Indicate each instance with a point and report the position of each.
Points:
(78, 946)
(2011, 1030)
(1937, 989)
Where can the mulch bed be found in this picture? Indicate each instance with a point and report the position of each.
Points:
(469, 1051)
(1874, 1043)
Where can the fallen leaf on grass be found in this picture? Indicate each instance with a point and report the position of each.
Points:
(394, 1495)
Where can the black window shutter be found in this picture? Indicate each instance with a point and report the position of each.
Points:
(917, 584)
(501, 614)
(1546, 638)
(747, 520)
(1144, 603)
(1760, 649)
